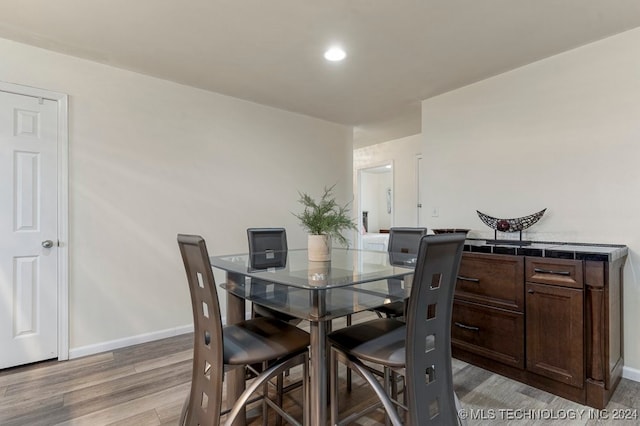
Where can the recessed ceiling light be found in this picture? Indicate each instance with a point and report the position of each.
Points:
(335, 54)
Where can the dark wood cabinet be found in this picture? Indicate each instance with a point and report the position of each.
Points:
(555, 333)
(552, 323)
(489, 305)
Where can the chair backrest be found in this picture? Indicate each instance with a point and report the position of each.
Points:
(405, 240)
(205, 399)
(267, 247)
(403, 246)
(429, 379)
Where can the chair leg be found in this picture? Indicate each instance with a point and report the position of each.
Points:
(364, 372)
(271, 372)
(387, 388)
(333, 386)
(349, 379)
(265, 395)
(279, 391)
(461, 421)
(394, 386)
(306, 408)
(185, 409)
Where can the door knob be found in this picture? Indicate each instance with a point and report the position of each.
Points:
(47, 244)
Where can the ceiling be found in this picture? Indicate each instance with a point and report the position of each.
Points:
(270, 51)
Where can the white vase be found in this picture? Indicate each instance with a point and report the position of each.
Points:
(319, 247)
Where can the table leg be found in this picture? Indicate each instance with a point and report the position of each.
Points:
(318, 330)
(236, 377)
(318, 385)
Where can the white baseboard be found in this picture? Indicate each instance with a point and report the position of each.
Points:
(631, 374)
(135, 340)
(128, 341)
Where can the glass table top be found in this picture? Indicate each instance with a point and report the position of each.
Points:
(321, 305)
(348, 267)
(353, 281)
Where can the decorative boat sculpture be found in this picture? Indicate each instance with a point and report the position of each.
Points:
(510, 225)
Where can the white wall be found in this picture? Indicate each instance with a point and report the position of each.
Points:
(402, 153)
(149, 159)
(562, 133)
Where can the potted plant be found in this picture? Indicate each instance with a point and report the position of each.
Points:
(323, 220)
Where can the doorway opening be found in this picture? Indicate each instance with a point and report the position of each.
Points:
(375, 206)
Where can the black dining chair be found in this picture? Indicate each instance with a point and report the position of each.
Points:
(277, 345)
(268, 249)
(419, 349)
(402, 241)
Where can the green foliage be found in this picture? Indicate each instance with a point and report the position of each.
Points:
(325, 216)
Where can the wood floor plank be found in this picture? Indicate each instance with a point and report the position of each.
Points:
(152, 364)
(31, 372)
(147, 384)
(32, 391)
(170, 412)
(36, 408)
(148, 418)
(467, 378)
(155, 349)
(129, 409)
(627, 394)
(133, 386)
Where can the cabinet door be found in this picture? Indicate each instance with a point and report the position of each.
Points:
(555, 337)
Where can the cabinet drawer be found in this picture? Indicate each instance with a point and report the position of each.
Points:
(562, 272)
(493, 280)
(489, 332)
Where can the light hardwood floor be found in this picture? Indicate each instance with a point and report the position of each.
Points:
(147, 384)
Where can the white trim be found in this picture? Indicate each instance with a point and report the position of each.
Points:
(128, 341)
(63, 205)
(418, 194)
(63, 228)
(631, 374)
(20, 89)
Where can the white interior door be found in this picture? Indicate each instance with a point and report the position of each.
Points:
(28, 229)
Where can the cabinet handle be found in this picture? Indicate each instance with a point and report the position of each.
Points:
(547, 271)
(473, 280)
(530, 291)
(466, 327)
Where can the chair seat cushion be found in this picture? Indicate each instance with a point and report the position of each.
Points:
(381, 341)
(261, 339)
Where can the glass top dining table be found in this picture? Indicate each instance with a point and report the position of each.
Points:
(353, 281)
